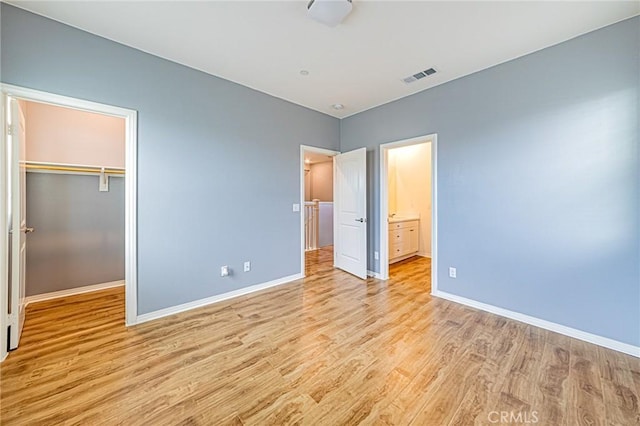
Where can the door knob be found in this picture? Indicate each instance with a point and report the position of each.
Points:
(27, 230)
(361, 220)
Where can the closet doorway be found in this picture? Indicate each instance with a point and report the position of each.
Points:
(75, 201)
(75, 178)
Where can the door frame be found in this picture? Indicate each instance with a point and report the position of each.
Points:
(384, 203)
(131, 148)
(323, 151)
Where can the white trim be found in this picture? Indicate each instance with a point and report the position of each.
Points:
(383, 264)
(405, 257)
(215, 299)
(303, 149)
(4, 231)
(72, 291)
(131, 144)
(547, 325)
(131, 219)
(434, 213)
(374, 274)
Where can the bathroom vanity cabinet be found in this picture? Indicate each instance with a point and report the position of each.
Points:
(403, 239)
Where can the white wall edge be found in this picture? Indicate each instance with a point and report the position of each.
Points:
(547, 325)
(72, 291)
(215, 299)
(374, 274)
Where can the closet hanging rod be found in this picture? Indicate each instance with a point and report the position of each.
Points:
(73, 168)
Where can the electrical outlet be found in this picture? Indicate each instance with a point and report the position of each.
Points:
(452, 272)
(376, 255)
(224, 271)
(247, 266)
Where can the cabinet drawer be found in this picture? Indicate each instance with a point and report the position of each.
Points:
(395, 236)
(396, 250)
(401, 225)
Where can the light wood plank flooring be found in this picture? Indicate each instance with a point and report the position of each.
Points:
(328, 350)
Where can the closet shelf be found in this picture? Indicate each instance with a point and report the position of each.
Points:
(73, 168)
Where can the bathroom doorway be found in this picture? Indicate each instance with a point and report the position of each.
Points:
(408, 225)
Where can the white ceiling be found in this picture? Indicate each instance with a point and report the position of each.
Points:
(359, 63)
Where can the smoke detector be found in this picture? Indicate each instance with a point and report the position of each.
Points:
(329, 12)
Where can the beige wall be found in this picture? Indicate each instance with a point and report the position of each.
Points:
(409, 181)
(322, 181)
(64, 135)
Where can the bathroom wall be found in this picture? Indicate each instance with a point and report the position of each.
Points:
(410, 187)
(65, 135)
(322, 181)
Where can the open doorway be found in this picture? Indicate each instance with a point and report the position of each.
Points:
(75, 197)
(407, 206)
(317, 227)
(62, 175)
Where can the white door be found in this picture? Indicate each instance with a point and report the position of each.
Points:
(350, 201)
(19, 229)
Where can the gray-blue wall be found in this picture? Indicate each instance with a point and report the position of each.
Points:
(218, 163)
(79, 232)
(538, 180)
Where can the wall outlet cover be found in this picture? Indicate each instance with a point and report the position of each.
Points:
(224, 271)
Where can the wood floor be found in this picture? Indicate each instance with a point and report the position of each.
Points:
(328, 350)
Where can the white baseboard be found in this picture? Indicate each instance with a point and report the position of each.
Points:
(72, 291)
(214, 299)
(547, 325)
(374, 274)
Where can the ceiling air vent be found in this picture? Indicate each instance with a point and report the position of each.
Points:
(418, 76)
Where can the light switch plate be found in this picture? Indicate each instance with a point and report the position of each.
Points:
(296, 207)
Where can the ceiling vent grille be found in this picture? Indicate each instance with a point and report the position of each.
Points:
(418, 76)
